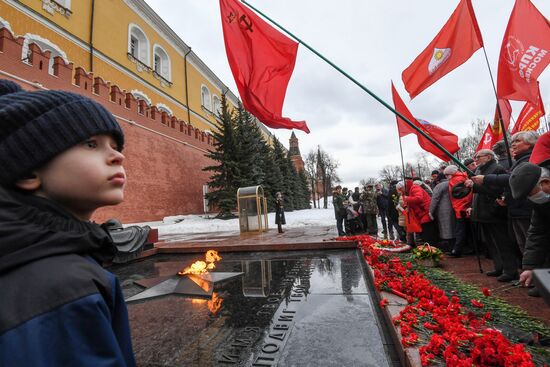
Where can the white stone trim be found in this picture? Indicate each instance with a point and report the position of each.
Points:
(44, 44)
(140, 95)
(206, 104)
(5, 24)
(167, 73)
(142, 53)
(165, 108)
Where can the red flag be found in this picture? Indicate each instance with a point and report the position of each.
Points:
(506, 111)
(261, 60)
(524, 53)
(529, 117)
(453, 46)
(488, 139)
(445, 138)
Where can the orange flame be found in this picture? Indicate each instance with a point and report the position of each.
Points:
(201, 267)
(215, 303)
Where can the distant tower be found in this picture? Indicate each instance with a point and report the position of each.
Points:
(294, 153)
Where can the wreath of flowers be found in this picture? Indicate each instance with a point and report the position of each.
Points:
(391, 246)
(449, 331)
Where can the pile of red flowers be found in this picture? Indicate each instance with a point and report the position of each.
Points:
(455, 334)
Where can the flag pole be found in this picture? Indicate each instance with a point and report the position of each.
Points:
(500, 119)
(430, 139)
(402, 160)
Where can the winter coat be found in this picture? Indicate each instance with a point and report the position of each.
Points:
(382, 200)
(442, 210)
(517, 208)
(338, 204)
(537, 246)
(368, 198)
(59, 306)
(418, 201)
(460, 205)
(279, 212)
(484, 207)
(504, 163)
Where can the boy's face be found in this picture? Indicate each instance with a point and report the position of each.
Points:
(85, 177)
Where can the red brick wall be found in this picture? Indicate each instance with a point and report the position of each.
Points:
(164, 166)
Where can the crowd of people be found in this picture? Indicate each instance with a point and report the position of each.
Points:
(500, 208)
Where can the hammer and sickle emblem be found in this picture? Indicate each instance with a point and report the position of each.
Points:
(487, 139)
(231, 17)
(247, 24)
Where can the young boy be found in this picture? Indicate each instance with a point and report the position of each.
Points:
(60, 160)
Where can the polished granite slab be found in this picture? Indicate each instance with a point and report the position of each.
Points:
(300, 308)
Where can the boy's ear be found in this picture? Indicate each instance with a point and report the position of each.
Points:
(30, 182)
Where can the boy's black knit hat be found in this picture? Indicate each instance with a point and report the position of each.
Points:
(37, 126)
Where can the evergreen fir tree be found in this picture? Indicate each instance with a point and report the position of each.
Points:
(272, 174)
(285, 185)
(249, 149)
(224, 179)
(304, 184)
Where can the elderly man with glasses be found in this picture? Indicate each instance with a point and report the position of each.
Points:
(492, 217)
(519, 210)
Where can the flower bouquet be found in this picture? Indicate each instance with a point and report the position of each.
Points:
(426, 255)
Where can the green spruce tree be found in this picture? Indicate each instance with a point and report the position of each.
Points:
(225, 173)
(304, 184)
(249, 149)
(287, 184)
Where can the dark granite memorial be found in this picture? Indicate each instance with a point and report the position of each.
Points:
(256, 309)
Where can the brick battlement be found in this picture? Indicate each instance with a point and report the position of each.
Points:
(164, 154)
(35, 68)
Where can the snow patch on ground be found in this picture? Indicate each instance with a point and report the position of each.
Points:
(202, 224)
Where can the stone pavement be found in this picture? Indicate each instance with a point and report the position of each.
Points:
(466, 269)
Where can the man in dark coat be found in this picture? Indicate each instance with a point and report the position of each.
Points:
(392, 213)
(492, 218)
(533, 182)
(519, 210)
(339, 209)
(279, 212)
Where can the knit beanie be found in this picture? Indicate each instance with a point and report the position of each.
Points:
(523, 179)
(37, 126)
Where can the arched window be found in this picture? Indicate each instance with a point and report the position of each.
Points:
(161, 63)
(216, 105)
(205, 98)
(138, 44)
(45, 45)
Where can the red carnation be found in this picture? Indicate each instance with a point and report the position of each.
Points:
(476, 303)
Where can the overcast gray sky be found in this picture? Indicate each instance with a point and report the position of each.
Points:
(374, 41)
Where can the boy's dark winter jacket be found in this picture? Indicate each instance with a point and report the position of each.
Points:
(59, 306)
